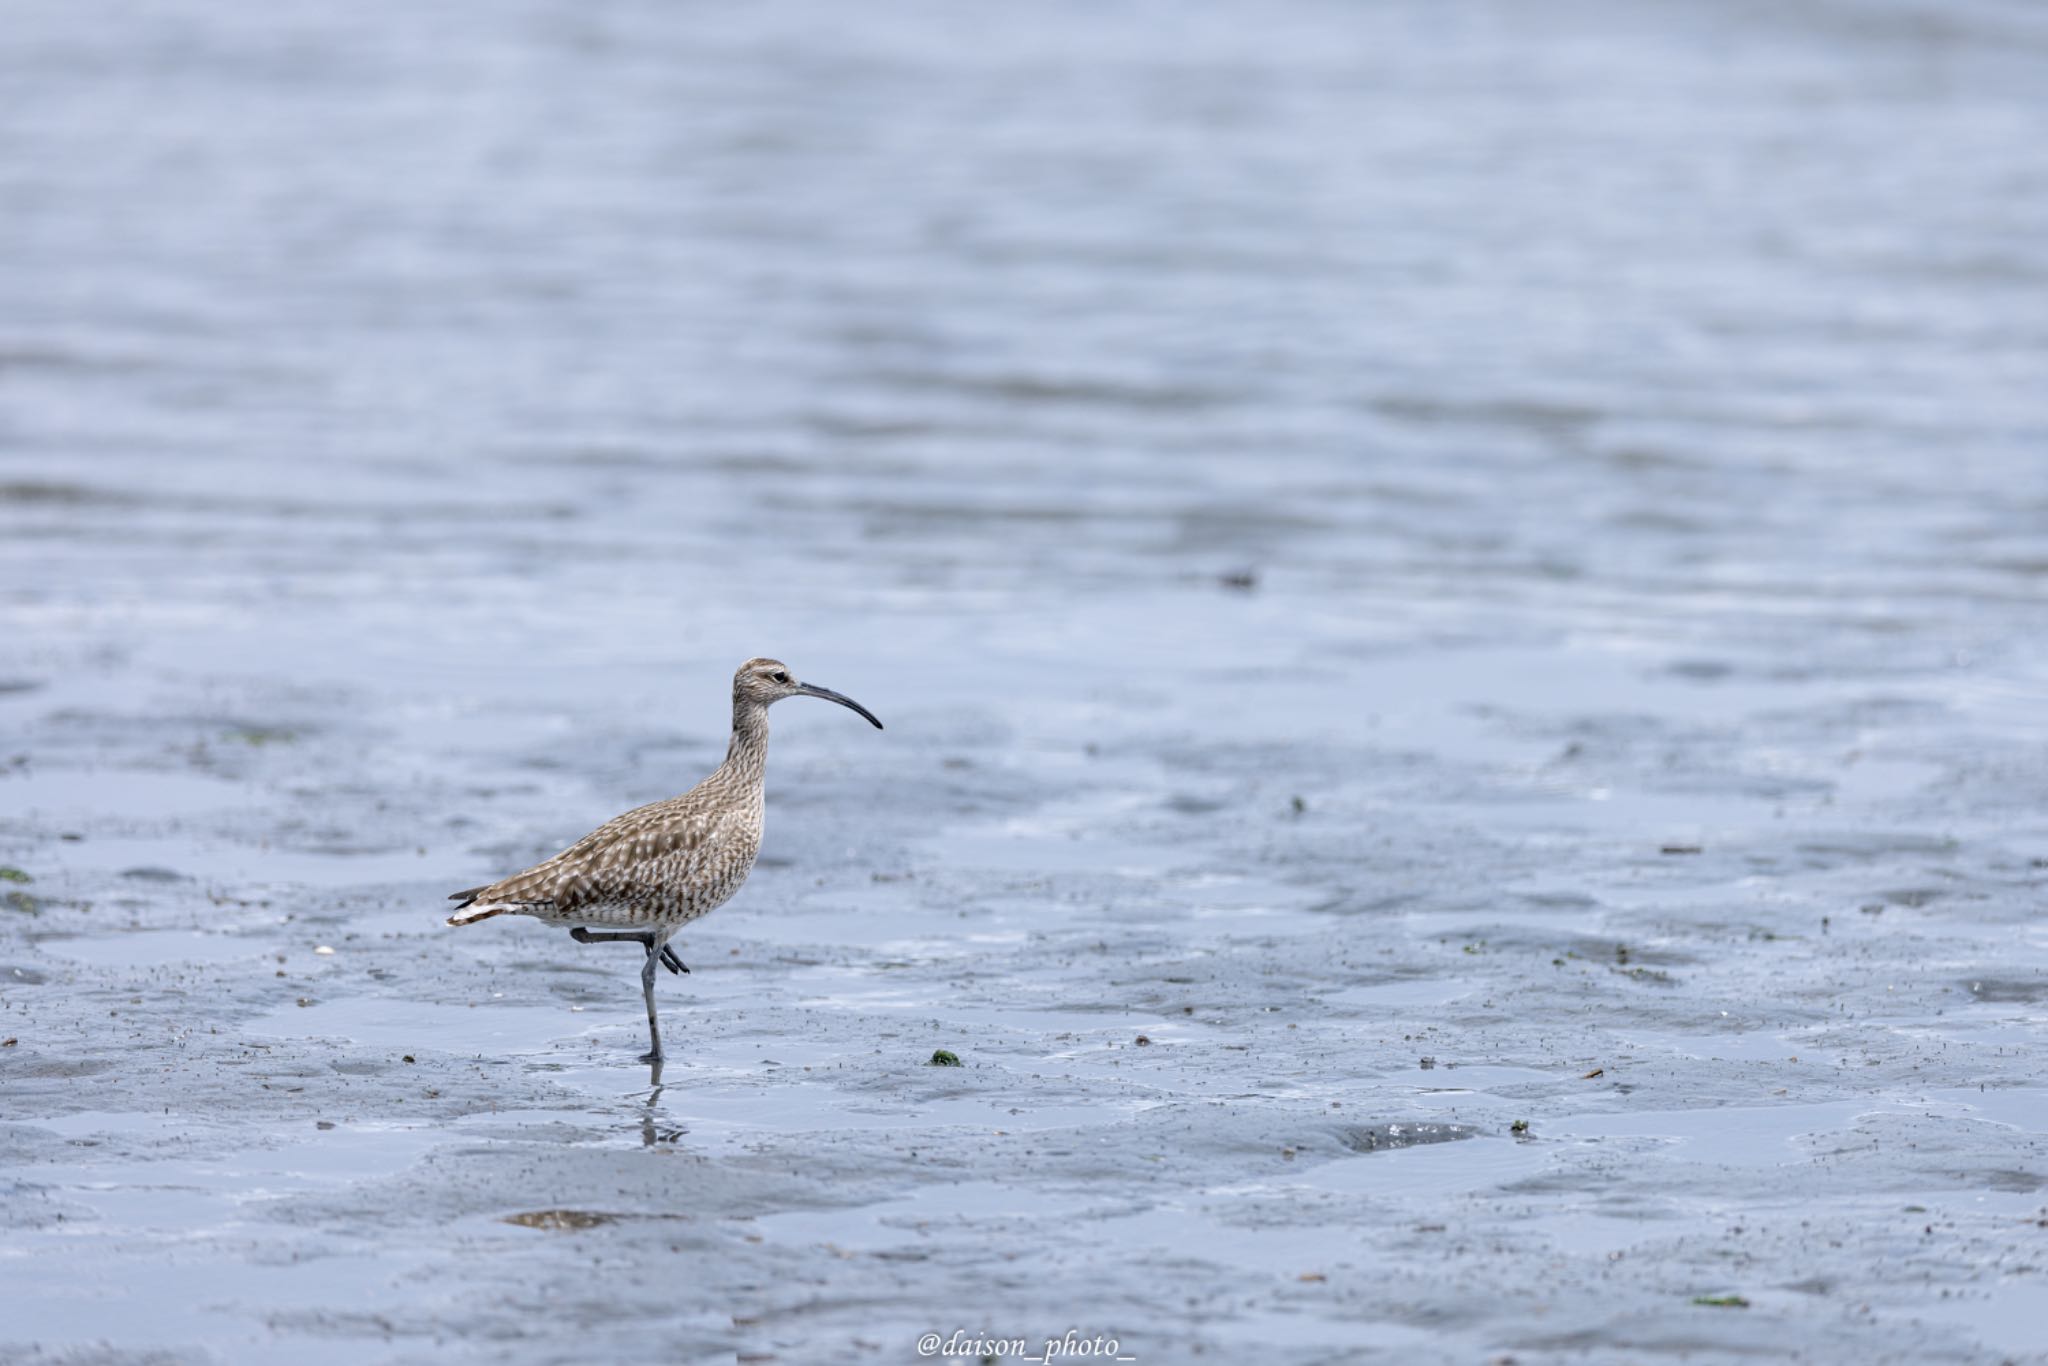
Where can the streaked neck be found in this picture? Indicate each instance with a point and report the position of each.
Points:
(748, 752)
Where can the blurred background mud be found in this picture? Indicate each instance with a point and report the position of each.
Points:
(1430, 567)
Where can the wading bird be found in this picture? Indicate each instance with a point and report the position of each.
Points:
(642, 876)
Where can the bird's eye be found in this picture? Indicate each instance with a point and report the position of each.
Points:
(780, 677)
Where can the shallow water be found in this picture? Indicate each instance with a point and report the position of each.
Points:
(1472, 575)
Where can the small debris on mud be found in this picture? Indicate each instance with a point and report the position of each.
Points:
(562, 1220)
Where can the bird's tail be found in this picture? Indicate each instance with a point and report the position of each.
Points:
(469, 912)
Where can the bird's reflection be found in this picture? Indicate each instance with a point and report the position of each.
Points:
(652, 1133)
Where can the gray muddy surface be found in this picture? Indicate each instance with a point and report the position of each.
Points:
(1458, 592)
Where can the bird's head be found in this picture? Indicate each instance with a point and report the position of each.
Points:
(765, 681)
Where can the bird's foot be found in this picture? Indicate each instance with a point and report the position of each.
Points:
(671, 962)
(654, 1058)
(580, 934)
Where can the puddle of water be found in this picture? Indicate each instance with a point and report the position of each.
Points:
(1748, 1046)
(415, 1026)
(1602, 1236)
(1749, 1136)
(2024, 1108)
(172, 1191)
(143, 1272)
(1442, 1169)
(144, 1299)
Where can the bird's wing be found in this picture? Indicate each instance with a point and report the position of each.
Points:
(656, 843)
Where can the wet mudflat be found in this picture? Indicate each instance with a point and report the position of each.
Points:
(1458, 595)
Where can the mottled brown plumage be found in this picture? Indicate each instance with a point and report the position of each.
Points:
(646, 874)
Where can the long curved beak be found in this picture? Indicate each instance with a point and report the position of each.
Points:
(813, 690)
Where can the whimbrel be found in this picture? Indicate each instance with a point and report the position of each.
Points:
(648, 873)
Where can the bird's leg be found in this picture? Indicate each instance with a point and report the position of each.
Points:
(647, 989)
(644, 939)
(658, 952)
(587, 936)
